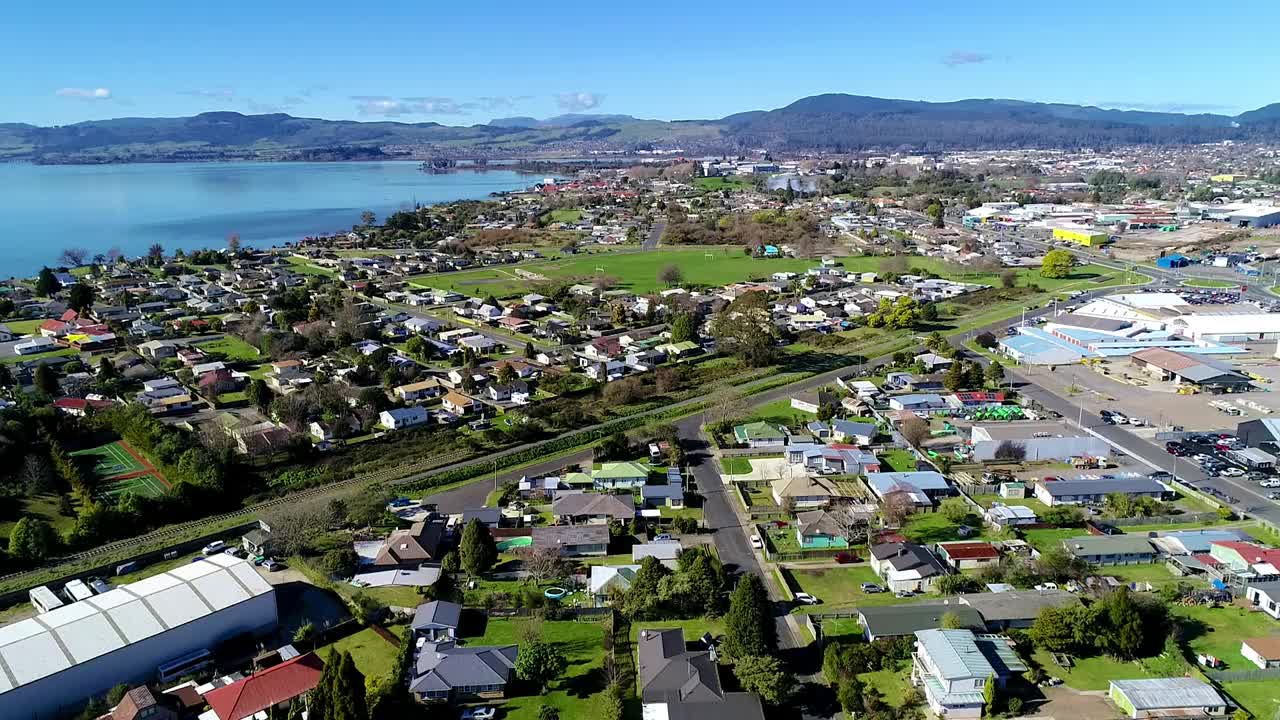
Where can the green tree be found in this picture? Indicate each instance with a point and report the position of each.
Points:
(305, 633)
(46, 380)
(46, 283)
(540, 663)
(31, 539)
(349, 691)
(1056, 264)
(478, 550)
(80, 297)
(670, 275)
(506, 373)
(745, 329)
(529, 351)
(117, 693)
(106, 369)
(765, 676)
(340, 562)
(1125, 635)
(950, 621)
(956, 377)
(451, 563)
(645, 598)
(989, 693)
(749, 627)
(995, 373)
(929, 312)
(684, 328)
(956, 584)
(6, 377)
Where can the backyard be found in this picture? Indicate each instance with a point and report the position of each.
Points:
(577, 694)
(373, 654)
(838, 586)
(235, 349)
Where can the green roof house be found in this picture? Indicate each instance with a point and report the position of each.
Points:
(620, 475)
(759, 434)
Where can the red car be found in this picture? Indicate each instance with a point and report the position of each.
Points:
(845, 557)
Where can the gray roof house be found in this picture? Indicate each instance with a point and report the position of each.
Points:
(682, 684)
(1111, 549)
(900, 620)
(444, 671)
(490, 517)
(906, 566)
(573, 540)
(1016, 608)
(594, 507)
(437, 620)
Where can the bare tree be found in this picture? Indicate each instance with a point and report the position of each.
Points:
(914, 429)
(896, 506)
(295, 528)
(36, 476)
(670, 275)
(73, 256)
(233, 243)
(114, 254)
(1010, 450)
(544, 563)
(726, 406)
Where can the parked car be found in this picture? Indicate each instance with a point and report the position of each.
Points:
(1273, 483)
(904, 594)
(480, 713)
(847, 557)
(662, 537)
(214, 547)
(272, 565)
(871, 588)
(235, 552)
(756, 542)
(1232, 472)
(806, 599)
(1273, 496)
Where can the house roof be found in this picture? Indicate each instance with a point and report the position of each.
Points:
(818, 522)
(757, 431)
(896, 620)
(444, 666)
(1015, 604)
(557, 536)
(801, 485)
(954, 653)
(603, 576)
(1268, 648)
(969, 550)
(670, 673)
(622, 507)
(266, 688)
(1108, 545)
(415, 545)
(1166, 693)
(621, 470)
(1060, 488)
(437, 612)
(669, 550)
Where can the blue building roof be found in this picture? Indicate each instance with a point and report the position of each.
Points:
(884, 482)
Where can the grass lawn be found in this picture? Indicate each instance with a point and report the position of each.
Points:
(841, 627)
(673, 513)
(894, 684)
(693, 629)
(564, 215)
(373, 655)
(838, 586)
(1092, 673)
(898, 460)
(735, 465)
(22, 327)
(44, 507)
(1259, 697)
(233, 347)
(303, 267)
(1156, 574)
(60, 352)
(989, 500)
(578, 693)
(723, 183)
(1219, 632)
(1200, 282)
(934, 527)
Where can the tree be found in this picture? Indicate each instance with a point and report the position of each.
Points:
(46, 283)
(1126, 634)
(367, 218)
(548, 712)
(73, 256)
(955, 379)
(956, 584)
(1062, 516)
(1008, 279)
(80, 297)
(644, 598)
(670, 275)
(46, 380)
(117, 693)
(826, 412)
(896, 506)
(950, 621)
(955, 510)
(340, 692)
(106, 369)
(915, 430)
(233, 243)
(31, 539)
(748, 626)
(986, 340)
(540, 663)
(995, 373)
(989, 693)
(745, 329)
(544, 563)
(1056, 264)
(529, 351)
(765, 676)
(340, 562)
(478, 550)
(6, 377)
(155, 254)
(305, 633)
(929, 312)
(1011, 450)
(684, 328)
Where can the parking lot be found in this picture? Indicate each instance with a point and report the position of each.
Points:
(1222, 457)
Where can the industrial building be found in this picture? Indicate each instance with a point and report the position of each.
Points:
(1081, 236)
(1243, 214)
(1039, 440)
(1183, 369)
(50, 663)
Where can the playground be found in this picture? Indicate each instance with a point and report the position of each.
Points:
(118, 468)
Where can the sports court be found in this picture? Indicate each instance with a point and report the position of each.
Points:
(118, 469)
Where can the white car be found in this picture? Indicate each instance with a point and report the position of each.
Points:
(806, 598)
(1270, 483)
(214, 547)
(1137, 421)
(756, 542)
(480, 713)
(1232, 472)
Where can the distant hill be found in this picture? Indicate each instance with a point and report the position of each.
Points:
(832, 122)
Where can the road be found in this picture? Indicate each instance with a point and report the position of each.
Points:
(473, 494)
(655, 235)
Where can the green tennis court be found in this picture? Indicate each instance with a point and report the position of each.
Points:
(111, 460)
(147, 485)
(118, 471)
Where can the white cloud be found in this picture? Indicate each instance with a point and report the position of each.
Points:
(386, 106)
(84, 93)
(964, 57)
(579, 101)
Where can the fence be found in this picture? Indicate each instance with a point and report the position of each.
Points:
(581, 613)
(1182, 519)
(1236, 675)
(776, 452)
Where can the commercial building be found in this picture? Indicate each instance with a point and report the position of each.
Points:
(1081, 236)
(1167, 697)
(51, 663)
(1036, 441)
(953, 666)
(1183, 369)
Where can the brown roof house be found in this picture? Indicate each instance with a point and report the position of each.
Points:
(587, 508)
(140, 703)
(410, 548)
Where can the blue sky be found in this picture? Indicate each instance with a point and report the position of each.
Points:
(461, 63)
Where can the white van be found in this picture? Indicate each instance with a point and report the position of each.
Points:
(214, 547)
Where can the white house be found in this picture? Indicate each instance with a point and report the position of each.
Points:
(952, 667)
(401, 418)
(1263, 652)
(1265, 596)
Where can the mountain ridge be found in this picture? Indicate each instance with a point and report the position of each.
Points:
(828, 122)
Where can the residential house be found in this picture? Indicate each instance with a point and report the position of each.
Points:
(1013, 608)
(1265, 596)
(603, 348)
(615, 475)
(1077, 492)
(858, 433)
(266, 692)
(1002, 517)
(890, 621)
(681, 684)
(834, 459)
(933, 362)
(157, 349)
(818, 530)
(968, 555)
(402, 418)
(1111, 549)
(953, 667)
(444, 672)
(1181, 697)
(813, 401)
(1263, 652)
(480, 344)
(593, 508)
(412, 547)
(668, 494)
(924, 487)
(457, 403)
(436, 621)
(257, 542)
(516, 391)
(608, 579)
(421, 390)
(573, 540)
(1245, 559)
(604, 370)
(759, 435)
(490, 517)
(906, 566)
(803, 490)
(141, 704)
(547, 487)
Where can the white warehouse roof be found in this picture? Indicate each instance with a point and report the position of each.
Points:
(41, 646)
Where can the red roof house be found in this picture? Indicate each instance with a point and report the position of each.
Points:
(965, 555)
(274, 686)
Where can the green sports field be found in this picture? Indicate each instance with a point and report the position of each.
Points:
(117, 471)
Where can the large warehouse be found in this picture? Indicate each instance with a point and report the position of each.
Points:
(51, 663)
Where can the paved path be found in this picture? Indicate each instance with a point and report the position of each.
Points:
(655, 235)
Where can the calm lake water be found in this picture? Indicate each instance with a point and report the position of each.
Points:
(195, 205)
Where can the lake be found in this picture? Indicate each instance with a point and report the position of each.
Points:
(197, 205)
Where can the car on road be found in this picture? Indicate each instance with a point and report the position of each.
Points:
(1273, 496)
(214, 547)
(1232, 472)
(1273, 483)
(480, 713)
(1138, 422)
(756, 542)
(871, 588)
(662, 537)
(1161, 476)
(805, 598)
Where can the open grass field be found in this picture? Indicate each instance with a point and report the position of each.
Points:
(303, 267)
(1202, 283)
(60, 352)
(893, 683)
(1219, 632)
(1259, 697)
(44, 507)
(1092, 673)
(934, 527)
(564, 215)
(735, 465)
(118, 470)
(724, 183)
(373, 655)
(22, 327)
(578, 693)
(897, 460)
(233, 347)
(780, 412)
(839, 586)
